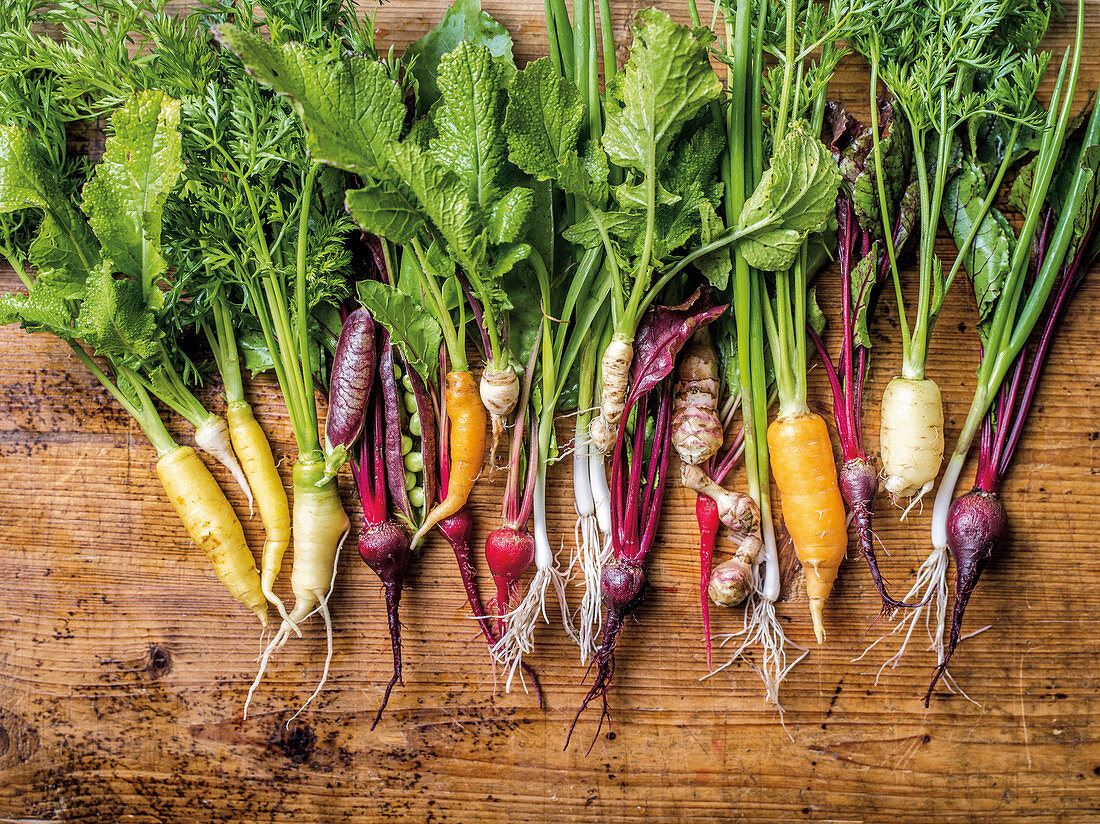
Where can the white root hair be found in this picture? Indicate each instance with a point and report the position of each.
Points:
(930, 586)
(519, 637)
(762, 629)
(289, 626)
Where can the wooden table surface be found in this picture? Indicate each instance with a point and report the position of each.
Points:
(124, 664)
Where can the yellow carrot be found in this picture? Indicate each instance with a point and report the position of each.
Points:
(252, 448)
(467, 418)
(212, 524)
(804, 470)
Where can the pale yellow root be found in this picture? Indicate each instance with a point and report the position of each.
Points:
(212, 525)
(213, 438)
(911, 437)
(499, 392)
(614, 379)
(320, 528)
(252, 447)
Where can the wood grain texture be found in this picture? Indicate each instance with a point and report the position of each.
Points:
(124, 664)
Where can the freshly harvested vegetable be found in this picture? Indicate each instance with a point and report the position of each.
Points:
(351, 379)
(998, 263)
(451, 192)
(550, 123)
(972, 526)
(802, 463)
(76, 296)
(859, 234)
(804, 177)
(697, 435)
(637, 489)
(928, 57)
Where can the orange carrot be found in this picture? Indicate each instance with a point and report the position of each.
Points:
(467, 418)
(804, 470)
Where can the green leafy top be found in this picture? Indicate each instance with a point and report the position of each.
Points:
(107, 303)
(463, 22)
(449, 178)
(794, 198)
(667, 79)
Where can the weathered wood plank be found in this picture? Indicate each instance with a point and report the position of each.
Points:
(123, 664)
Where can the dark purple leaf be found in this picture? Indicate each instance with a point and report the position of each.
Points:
(662, 333)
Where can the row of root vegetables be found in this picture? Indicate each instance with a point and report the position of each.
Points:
(642, 255)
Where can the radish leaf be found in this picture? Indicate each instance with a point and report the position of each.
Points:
(794, 198)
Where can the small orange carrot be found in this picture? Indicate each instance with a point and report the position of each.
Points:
(802, 462)
(467, 418)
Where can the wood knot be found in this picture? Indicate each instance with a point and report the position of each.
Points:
(160, 662)
(298, 742)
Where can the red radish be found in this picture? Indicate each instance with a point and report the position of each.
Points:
(509, 551)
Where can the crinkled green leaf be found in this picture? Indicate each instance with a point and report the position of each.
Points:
(43, 309)
(585, 177)
(509, 215)
(990, 255)
(636, 196)
(692, 175)
(384, 211)
(441, 194)
(469, 120)
(65, 250)
(351, 108)
(543, 120)
(58, 259)
(586, 233)
(124, 200)
(794, 197)
(464, 21)
(667, 79)
(506, 259)
(412, 328)
(114, 318)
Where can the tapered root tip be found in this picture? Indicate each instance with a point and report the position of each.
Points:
(261, 613)
(817, 613)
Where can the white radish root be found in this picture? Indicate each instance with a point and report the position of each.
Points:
(212, 437)
(911, 438)
(614, 377)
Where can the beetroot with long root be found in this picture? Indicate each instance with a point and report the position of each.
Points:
(636, 497)
(977, 522)
(637, 492)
